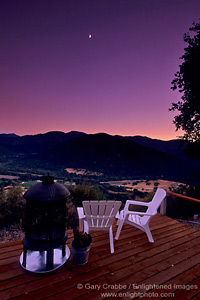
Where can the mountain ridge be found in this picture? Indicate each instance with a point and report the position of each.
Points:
(15, 140)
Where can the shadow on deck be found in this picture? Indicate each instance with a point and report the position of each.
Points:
(168, 268)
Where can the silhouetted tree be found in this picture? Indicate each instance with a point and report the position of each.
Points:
(187, 82)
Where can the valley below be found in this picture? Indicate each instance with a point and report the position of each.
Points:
(145, 185)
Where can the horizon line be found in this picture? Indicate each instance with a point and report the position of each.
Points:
(50, 131)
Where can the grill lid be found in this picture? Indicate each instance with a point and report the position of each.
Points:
(47, 190)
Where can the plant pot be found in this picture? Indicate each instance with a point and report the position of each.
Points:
(80, 255)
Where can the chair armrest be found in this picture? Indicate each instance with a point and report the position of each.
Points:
(124, 213)
(132, 202)
(129, 202)
(130, 212)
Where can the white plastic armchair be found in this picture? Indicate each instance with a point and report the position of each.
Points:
(99, 215)
(141, 219)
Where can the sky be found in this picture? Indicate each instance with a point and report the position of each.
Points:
(91, 65)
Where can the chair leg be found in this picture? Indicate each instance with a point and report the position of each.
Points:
(80, 224)
(81, 217)
(118, 218)
(86, 227)
(121, 222)
(111, 240)
(149, 235)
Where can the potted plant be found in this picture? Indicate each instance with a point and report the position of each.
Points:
(80, 247)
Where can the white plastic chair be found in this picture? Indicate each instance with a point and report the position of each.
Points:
(99, 215)
(141, 219)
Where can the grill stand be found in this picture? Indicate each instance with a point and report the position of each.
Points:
(44, 257)
(46, 261)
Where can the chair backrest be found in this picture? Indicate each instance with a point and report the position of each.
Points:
(155, 203)
(100, 214)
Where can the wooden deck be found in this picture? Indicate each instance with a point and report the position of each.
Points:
(168, 268)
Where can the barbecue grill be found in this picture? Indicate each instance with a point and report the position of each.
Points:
(45, 238)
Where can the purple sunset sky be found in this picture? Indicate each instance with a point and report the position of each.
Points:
(54, 77)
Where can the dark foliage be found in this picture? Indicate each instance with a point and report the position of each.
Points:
(12, 206)
(72, 220)
(83, 192)
(81, 240)
(187, 81)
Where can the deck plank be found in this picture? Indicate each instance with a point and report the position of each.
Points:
(185, 280)
(173, 259)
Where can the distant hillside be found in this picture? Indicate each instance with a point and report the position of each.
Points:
(174, 147)
(112, 155)
(171, 146)
(39, 142)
